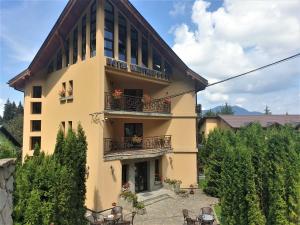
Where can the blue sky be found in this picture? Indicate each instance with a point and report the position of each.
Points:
(215, 38)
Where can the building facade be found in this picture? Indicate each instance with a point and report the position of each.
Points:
(104, 66)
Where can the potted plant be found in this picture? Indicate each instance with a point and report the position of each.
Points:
(146, 99)
(192, 189)
(140, 208)
(62, 93)
(136, 139)
(167, 100)
(117, 93)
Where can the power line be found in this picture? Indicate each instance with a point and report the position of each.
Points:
(251, 71)
(239, 75)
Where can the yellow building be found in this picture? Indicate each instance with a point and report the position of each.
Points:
(104, 66)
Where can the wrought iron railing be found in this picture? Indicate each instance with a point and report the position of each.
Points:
(138, 104)
(137, 143)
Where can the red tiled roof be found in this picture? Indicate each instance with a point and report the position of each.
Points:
(265, 120)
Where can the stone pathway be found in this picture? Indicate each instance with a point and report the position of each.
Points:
(169, 211)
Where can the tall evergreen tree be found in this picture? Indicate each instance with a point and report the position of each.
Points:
(215, 147)
(59, 146)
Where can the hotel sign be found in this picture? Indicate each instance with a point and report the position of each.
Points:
(116, 64)
(121, 65)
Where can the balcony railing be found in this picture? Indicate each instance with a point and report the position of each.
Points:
(136, 104)
(137, 143)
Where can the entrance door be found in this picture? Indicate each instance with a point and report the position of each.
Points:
(133, 99)
(141, 177)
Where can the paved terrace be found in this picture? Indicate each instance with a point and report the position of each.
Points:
(169, 210)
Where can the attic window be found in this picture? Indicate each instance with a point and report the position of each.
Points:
(134, 46)
(156, 58)
(122, 38)
(59, 60)
(144, 52)
(75, 45)
(109, 30)
(83, 38)
(50, 68)
(168, 69)
(36, 92)
(67, 47)
(93, 29)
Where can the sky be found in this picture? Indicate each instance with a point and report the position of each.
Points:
(215, 38)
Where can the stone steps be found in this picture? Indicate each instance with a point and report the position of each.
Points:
(156, 199)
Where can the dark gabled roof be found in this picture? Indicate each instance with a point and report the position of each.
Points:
(65, 23)
(9, 136)
(264, 120)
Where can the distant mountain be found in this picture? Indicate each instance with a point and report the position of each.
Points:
(239, 111)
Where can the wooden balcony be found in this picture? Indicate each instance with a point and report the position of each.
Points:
(136, 147)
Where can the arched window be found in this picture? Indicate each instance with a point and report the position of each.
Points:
(122, 37)
(109, 30)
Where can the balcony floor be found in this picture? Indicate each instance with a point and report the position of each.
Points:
(135, 154)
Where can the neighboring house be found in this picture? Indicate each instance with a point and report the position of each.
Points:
(104, 66)
(207, 124)
(7, 137)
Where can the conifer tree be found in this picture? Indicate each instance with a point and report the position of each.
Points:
(215, 147)
(59, 146)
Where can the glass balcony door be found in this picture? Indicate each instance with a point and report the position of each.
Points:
(133, 100)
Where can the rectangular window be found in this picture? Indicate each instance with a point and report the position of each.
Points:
(109, 30)
(75, 45)
(36, 107)
(93, 29)
(36, 125)
(70, 90)
(67, 48)
(50, 68)
(35, 141)
(83, 37)
(70, 125)
(59, 60)
(134, 45)
(122, 38)
(144, 52)
(36, 91)
(156, 59)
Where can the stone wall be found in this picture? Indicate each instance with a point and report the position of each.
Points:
(7, 167)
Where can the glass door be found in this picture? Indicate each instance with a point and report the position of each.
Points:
(141, 177)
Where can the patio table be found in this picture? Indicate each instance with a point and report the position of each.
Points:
(206, 218)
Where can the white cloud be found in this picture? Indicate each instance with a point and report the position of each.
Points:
(238, 37)
(178, 9)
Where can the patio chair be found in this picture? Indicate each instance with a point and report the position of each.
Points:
(118, 212)
(187, 218)
(94, 218)
(206, 211)
(128, 219)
